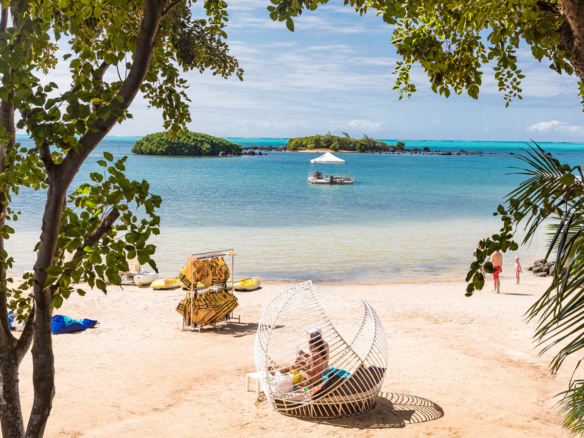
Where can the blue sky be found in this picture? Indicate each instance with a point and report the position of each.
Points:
(334, 73)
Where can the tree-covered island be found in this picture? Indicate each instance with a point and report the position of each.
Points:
(192, 144)
(337, 143)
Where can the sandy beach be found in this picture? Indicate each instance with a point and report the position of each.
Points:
(458, 367)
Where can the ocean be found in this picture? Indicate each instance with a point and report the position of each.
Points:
(407, 218)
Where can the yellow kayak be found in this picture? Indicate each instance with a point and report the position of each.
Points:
(166, 283)
(248, 284)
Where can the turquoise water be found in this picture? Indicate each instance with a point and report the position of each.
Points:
(407, 218)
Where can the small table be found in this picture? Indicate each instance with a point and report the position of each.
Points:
(253, 376)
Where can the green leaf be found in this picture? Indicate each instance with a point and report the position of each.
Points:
(103, 113)
(568, 179)
(54, 270)
(290, 24)
(101, 285)
(108, 156)
(489, 268)
(113, 196)
(57, 301)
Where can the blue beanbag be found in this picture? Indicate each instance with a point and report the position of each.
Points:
(10, 320)
(63, 324)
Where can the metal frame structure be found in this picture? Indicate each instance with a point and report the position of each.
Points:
(217, 287)
(362, 363)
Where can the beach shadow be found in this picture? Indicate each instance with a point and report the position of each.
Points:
(513, 293)
(236, 329)
(391, 411)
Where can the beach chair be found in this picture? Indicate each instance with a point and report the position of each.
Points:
(356, 370)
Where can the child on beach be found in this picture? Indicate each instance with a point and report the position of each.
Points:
(518, 269)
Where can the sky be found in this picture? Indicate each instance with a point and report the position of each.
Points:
(334, 73)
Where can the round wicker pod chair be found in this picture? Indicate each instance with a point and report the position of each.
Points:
(355, 371)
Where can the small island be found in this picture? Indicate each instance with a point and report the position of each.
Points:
(193, 144)
(336, 143)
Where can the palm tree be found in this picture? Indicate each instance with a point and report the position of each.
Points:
(551, 191)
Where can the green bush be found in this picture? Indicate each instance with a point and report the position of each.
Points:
(400, 145)
(192, 144)
(362, 146)
(334, 147)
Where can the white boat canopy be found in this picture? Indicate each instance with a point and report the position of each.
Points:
(328, 158)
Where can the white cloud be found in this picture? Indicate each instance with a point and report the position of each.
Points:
(366, 125)
(556, 126)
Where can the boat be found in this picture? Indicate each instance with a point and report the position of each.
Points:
(166, 283)
(316, 177)
(145, 278)
(248, 284)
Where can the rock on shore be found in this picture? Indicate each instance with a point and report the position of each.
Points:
(542, 268)
(389, 150)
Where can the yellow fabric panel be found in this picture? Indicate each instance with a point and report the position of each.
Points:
(196, 271)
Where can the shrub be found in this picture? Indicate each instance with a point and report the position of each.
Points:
(361, 146)
(334, 147)
(400, 145)
(192, 144)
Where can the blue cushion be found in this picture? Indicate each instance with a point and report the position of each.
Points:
(62, 324)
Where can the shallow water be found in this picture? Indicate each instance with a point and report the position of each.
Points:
(407, 218)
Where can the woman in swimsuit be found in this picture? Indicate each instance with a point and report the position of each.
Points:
(315, 363)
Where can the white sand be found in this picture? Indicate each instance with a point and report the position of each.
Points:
(138, 375)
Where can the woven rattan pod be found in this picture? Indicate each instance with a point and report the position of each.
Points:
(356, 369)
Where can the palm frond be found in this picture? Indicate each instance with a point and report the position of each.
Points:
(550, 191)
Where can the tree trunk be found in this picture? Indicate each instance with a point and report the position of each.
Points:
(59, 178)
(10, 412)
(43, 374)
(11, 420)
(42, 349)
(572, 32)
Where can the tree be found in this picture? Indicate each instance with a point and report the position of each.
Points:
(400, 145)
(453, 40)
(552, 191)
(116, 48)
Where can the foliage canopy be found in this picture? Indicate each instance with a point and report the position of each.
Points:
(551, 191)
(191, 144)
(115, 49)
(453, 40)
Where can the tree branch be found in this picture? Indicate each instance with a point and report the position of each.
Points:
(552, 8)
(25, 339)
(144, 48)
(46, 157)
(6, 337)
(170, 7)
(4, 20)
(103, 67)
(103, 228)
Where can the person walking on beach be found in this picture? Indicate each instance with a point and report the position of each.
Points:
(497, 261)
(518, 269)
